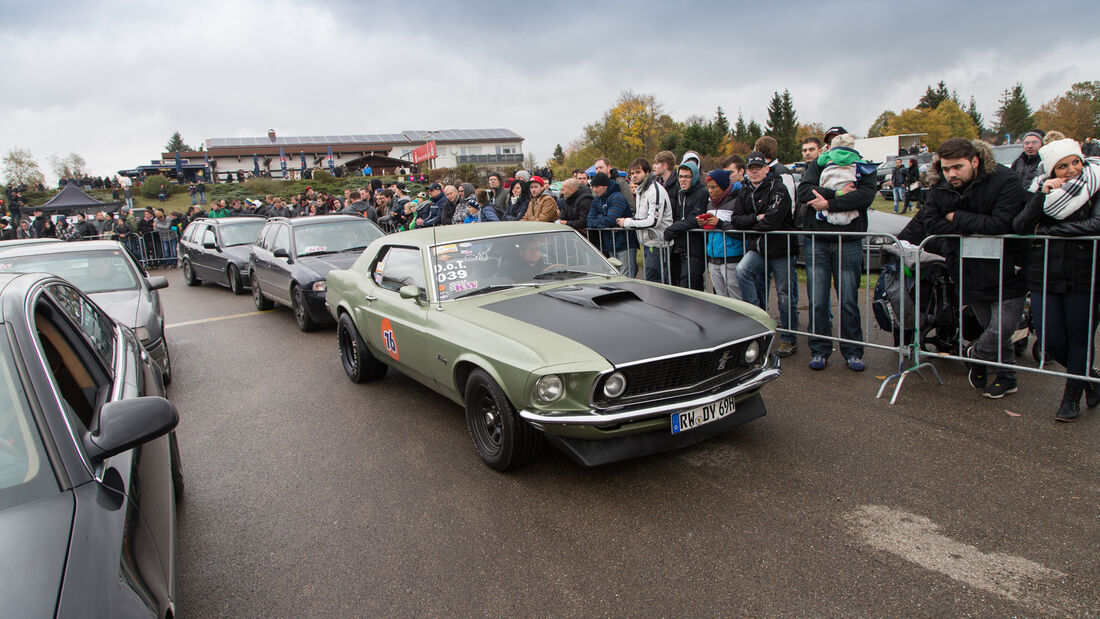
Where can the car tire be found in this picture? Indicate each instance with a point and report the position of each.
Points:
(262, 302)
(167, 375)
(189, 276)
(359, 363)
(501, 438)
(236, 284)
(177, 466)
(301, 311)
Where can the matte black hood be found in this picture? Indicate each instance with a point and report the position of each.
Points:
(35, 542)
(630, 321)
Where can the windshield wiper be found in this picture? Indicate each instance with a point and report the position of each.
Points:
(496, 287)
(321, 253)
(565, 273)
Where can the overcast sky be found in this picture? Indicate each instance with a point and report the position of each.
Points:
(113, 80)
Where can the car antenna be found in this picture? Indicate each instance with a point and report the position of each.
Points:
(435, 258)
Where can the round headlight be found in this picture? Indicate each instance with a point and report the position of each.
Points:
(549, 388)
(319, 286)
(615, 385)
(752, 351)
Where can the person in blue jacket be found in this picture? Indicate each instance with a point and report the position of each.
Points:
(608, 206)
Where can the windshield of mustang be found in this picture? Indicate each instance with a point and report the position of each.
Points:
(470, 267)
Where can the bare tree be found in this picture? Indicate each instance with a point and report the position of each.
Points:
(69, 166)
(21, 168)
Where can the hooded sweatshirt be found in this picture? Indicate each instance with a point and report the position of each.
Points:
(652, 213)
(604, 213)
(688, 205)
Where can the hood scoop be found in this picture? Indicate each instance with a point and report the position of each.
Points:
(595, 297)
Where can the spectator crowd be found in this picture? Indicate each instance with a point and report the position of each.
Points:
(741, 226)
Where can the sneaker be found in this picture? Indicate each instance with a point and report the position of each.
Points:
(1000, 388)
(977, 374)
(817, 363)
(786, 349)
(855, 364)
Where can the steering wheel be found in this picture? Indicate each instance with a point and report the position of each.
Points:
(555, 266)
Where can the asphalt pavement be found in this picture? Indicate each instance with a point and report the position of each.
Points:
(308, 495)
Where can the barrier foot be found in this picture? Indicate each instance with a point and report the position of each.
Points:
(900, 377)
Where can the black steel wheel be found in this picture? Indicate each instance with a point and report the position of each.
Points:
(167, 374)
(189, 277)
(235, 282)
(262, 302)
(359, 364)
(301, 310)
(501, 438)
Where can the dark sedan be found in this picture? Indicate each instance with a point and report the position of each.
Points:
(216, 250)
(292, 257)
(106, 272)
(89, 467)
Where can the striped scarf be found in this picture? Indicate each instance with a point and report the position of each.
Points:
(1074, 193)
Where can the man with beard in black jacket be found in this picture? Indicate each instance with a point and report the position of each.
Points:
(575, 204)
(974, 195)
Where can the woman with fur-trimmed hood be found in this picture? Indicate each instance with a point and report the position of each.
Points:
(1062, 274)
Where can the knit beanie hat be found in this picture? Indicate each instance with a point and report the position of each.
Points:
(600, 180)
(1034, 132)
(1054, 152)
(720, 178)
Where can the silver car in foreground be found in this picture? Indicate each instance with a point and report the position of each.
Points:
(106, 272)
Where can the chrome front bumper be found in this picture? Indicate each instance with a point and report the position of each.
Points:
(594, 417)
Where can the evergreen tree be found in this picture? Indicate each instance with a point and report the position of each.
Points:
(975, 115)
(176, 143)
(933, 98)
(1014, 117)
(783, 125)
(721, 124)
(753, 133)
(740, 131)
(559, 155)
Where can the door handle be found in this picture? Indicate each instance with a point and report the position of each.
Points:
(369, 298)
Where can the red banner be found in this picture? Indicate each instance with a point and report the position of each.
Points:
(424, 153)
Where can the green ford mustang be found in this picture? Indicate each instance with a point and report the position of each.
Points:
(534, 332)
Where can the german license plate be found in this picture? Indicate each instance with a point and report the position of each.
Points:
(691, 419)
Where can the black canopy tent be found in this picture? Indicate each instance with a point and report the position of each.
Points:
(72, 199)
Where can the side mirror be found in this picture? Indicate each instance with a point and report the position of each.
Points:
(281, 252)
(409, 292)
(125, 424)
(209, 245)
(158, 282)
(615, 262)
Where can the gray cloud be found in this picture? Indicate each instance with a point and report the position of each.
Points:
(113, 80)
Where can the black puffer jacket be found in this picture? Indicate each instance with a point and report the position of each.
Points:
(1071, 265)
(772, 199)
(574, 209)
(985, 207)
(1026, 167)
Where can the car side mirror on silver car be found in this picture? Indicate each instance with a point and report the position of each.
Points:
(158, 282)
(125, 424)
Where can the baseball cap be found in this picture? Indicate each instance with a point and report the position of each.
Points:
(755, 158)
(538, 179)
(833, 132)
(435, 187)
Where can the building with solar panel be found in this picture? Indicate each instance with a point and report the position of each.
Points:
(385, 153)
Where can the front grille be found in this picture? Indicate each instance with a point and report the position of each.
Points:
(683, 374)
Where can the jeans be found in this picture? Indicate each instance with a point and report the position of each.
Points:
(168, 251)
(655, 261)
(899, 196)
(998, 322)
(202, 197)
(723, 277)
(688, 271)
(835, 265)
(782, 269)
(629, 258)
(194, 199)
(130, 203)
(1067, 336)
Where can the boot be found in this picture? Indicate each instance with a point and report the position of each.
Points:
(1071, 402)
(1092, 390)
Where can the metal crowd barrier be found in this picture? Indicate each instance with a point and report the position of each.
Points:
(153, 249)
(992, 249)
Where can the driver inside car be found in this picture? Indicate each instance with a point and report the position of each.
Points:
(530, 261)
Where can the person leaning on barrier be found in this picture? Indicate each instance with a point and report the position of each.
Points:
(687, 260)
(724, 251)
(1062, 275)
(652, 214)
(608, 206)
(972, 194)
(766, 207)
(1026, 165)
(835, 262)
(543, 206)
(574, 207)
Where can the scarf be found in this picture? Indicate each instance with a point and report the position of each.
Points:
(1073, 194)
(514, 200)
(725, 194)
(839, 155)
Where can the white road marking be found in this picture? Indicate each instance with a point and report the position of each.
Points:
(215, 318)
(915, 538)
